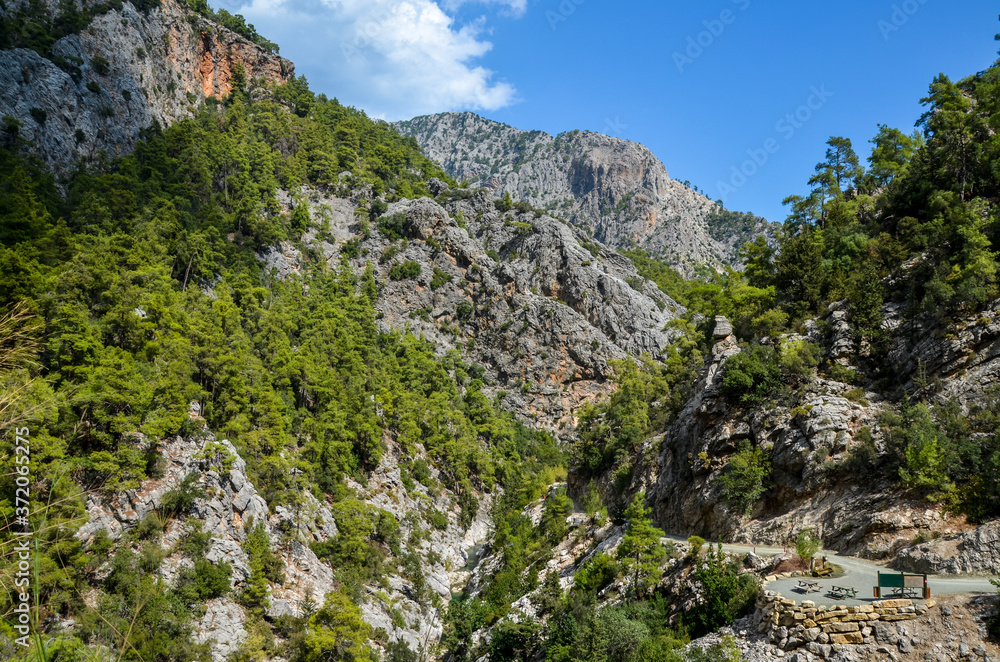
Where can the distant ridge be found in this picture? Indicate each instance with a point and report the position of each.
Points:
(617, 189)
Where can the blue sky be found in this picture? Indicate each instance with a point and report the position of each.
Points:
(705, 85)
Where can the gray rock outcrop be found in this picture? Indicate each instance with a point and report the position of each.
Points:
(974, 552)
(223, 628)
(804, 438)
(125, 71)
(230, 501)
(541, 310)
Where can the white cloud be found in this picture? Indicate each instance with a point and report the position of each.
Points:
(392, 58)
(515, 7)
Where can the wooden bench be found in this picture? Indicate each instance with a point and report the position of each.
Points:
(842, 592)
(807, 586)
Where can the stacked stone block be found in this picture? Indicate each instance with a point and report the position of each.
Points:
(824, 630)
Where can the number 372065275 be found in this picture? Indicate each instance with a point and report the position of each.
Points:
(22, 455)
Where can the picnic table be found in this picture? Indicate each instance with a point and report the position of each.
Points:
(807, 586)
(906, 592)
(842, 592)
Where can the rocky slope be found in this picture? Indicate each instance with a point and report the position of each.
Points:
(616, 189)
(229, 501)
(125, 71)
(525, 297)
(807, 436)
(973, 552)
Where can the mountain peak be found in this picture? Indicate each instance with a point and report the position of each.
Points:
(617, 189)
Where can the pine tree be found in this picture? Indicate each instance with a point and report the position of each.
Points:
(640, 551)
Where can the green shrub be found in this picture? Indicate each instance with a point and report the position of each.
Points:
(195, 541)
(596, 574)
(407, 270)
(38, 115)
(640, 551)
(391, 251)
(202, 582)
(592, 248)
(862, 458)
(726, 650)
(394, 227)
(558, 507)
(504, 204)
(464, 311)
(798, 360)
(857, 395)
(351, 249)
(152, 526)
(422, 472)
(752, 376)
(592, 503)
(841, 373)
(101, 65)
(993, 622)
(181, 499)
(440, 279)
(807, 544)
(437, 519)
(726, 593)
(748, 477)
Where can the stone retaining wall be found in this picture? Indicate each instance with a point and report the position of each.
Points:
(824, 630)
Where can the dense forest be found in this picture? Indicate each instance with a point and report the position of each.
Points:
(135, 290)
(132, 289)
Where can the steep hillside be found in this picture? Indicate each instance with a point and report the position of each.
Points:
(616, 189)
(81, 83)
(539, 312)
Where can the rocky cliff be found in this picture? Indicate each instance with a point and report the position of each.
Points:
(226, 503)
(524, 297)
(808, 435)
(616, 189)
(97, 89)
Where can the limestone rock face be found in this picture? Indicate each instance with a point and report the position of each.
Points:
(973, 552)
(134, 68)
(963, 357)
(803, 437)
(223, 627)
(541, 310)
(231, 501)
(616, 189)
